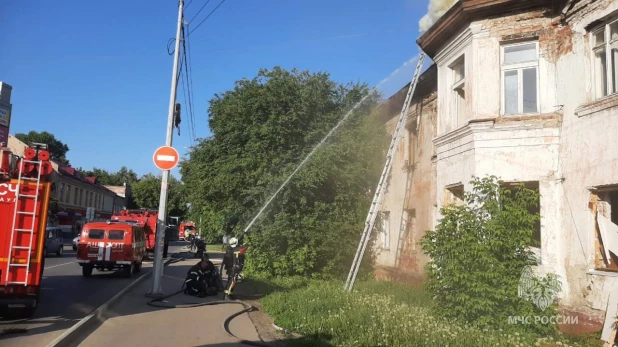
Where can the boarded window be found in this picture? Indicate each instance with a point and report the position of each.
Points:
(604, 206)
(454, 194)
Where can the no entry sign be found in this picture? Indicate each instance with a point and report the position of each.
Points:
(166, 158)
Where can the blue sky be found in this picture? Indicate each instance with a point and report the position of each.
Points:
(97, 74)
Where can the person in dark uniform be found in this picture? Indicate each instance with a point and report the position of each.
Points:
(203, 279)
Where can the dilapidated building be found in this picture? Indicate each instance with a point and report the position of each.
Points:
(526, 90)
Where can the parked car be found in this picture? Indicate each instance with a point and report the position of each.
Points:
(75, 242)
(53, 241)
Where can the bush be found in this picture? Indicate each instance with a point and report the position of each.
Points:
(380, 314)
(479, 252)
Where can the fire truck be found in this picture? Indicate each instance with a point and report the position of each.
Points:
(24, 201)
(142, 216)
(187, 230)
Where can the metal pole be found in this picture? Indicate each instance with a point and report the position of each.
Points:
(161, 222)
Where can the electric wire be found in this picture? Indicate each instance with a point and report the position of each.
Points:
(190, 117)
(191, 86)
(208, 16)
(198, 12)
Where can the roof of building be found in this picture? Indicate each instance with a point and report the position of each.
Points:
(427, 83)
(464, 12)
(119, 190)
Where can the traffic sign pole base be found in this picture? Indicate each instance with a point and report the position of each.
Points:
(155, 295)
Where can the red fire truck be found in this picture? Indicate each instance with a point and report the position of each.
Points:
(24, 201)
(145, 216)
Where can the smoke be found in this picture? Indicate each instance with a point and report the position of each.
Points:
(436, 9)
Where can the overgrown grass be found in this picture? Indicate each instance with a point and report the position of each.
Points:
(379, 313)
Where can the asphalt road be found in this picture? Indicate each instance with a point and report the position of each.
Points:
(66, 297)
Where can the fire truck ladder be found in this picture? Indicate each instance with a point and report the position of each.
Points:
(379, 195)
(17, 212)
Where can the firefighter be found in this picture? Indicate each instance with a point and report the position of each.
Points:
(203, 279)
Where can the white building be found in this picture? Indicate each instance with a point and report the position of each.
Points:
(527, 90)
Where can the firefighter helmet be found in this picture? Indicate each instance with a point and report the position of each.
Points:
(233, 242)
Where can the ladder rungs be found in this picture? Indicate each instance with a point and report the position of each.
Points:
(29, 178)
(20, 247)
(18, 265)
(27, 196)
(26, 213)
(23, 230)
(31, 161)
(12, 282)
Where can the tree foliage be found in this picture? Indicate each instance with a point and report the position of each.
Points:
(147, 191)
(57, 149)
(480, 253)
(118, 178)
(262, 129)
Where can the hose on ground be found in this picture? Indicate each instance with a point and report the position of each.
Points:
(158, 302)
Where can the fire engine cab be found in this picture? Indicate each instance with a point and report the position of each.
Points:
(110, 246)
(24, 200)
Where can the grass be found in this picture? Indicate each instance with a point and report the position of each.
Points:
(216, 247)
(378, 313)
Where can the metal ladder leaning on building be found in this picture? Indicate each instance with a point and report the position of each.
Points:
(379, 194)
(19, 197)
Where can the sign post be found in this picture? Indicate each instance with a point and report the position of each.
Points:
(165, 157)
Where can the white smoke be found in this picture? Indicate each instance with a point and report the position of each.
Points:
(437, 8)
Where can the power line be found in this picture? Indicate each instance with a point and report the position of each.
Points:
(200, 10)
(210, 14)
(191, 86)
(188, 80)
(187, 5)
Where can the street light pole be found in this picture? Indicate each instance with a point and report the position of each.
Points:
(161, 222)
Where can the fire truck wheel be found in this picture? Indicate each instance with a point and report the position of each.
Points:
(87, 270)
(129, 270)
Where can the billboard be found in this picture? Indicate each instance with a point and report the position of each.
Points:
(5, 116)
(4, 135)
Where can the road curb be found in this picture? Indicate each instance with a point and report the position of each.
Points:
(82, 329)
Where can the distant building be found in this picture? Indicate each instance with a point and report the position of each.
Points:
(76, 198)
(5, 111)
(124, 193)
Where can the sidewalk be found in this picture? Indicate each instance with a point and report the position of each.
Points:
(131, 322)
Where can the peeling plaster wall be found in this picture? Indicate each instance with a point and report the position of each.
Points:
(589, 157)
(393, 199)
(569, 146)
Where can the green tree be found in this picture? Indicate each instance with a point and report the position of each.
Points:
(147, 191)
(262, 129)
(57, 149)
(480, 254)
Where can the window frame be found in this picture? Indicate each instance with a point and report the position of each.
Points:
(385, 226)
(519, 68)
(611, 86)
(456, 86)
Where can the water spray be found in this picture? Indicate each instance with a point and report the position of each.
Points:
(330, 133)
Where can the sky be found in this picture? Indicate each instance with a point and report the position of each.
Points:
(97, 74)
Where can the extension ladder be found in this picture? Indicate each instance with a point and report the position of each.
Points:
(379, 194)
(21, 199)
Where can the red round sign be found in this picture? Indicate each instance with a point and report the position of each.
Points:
(166, 158)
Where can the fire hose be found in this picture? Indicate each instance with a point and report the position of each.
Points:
(158, 302)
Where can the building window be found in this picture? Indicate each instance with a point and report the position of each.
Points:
(458, 72)
(76, 196)
(68, 194)
(412, 138)
(520, 92)
(605, 55)
(90, 197)
(61, 192)
(604, 205)
(454, 195)
(81, 197)
(385, 226)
